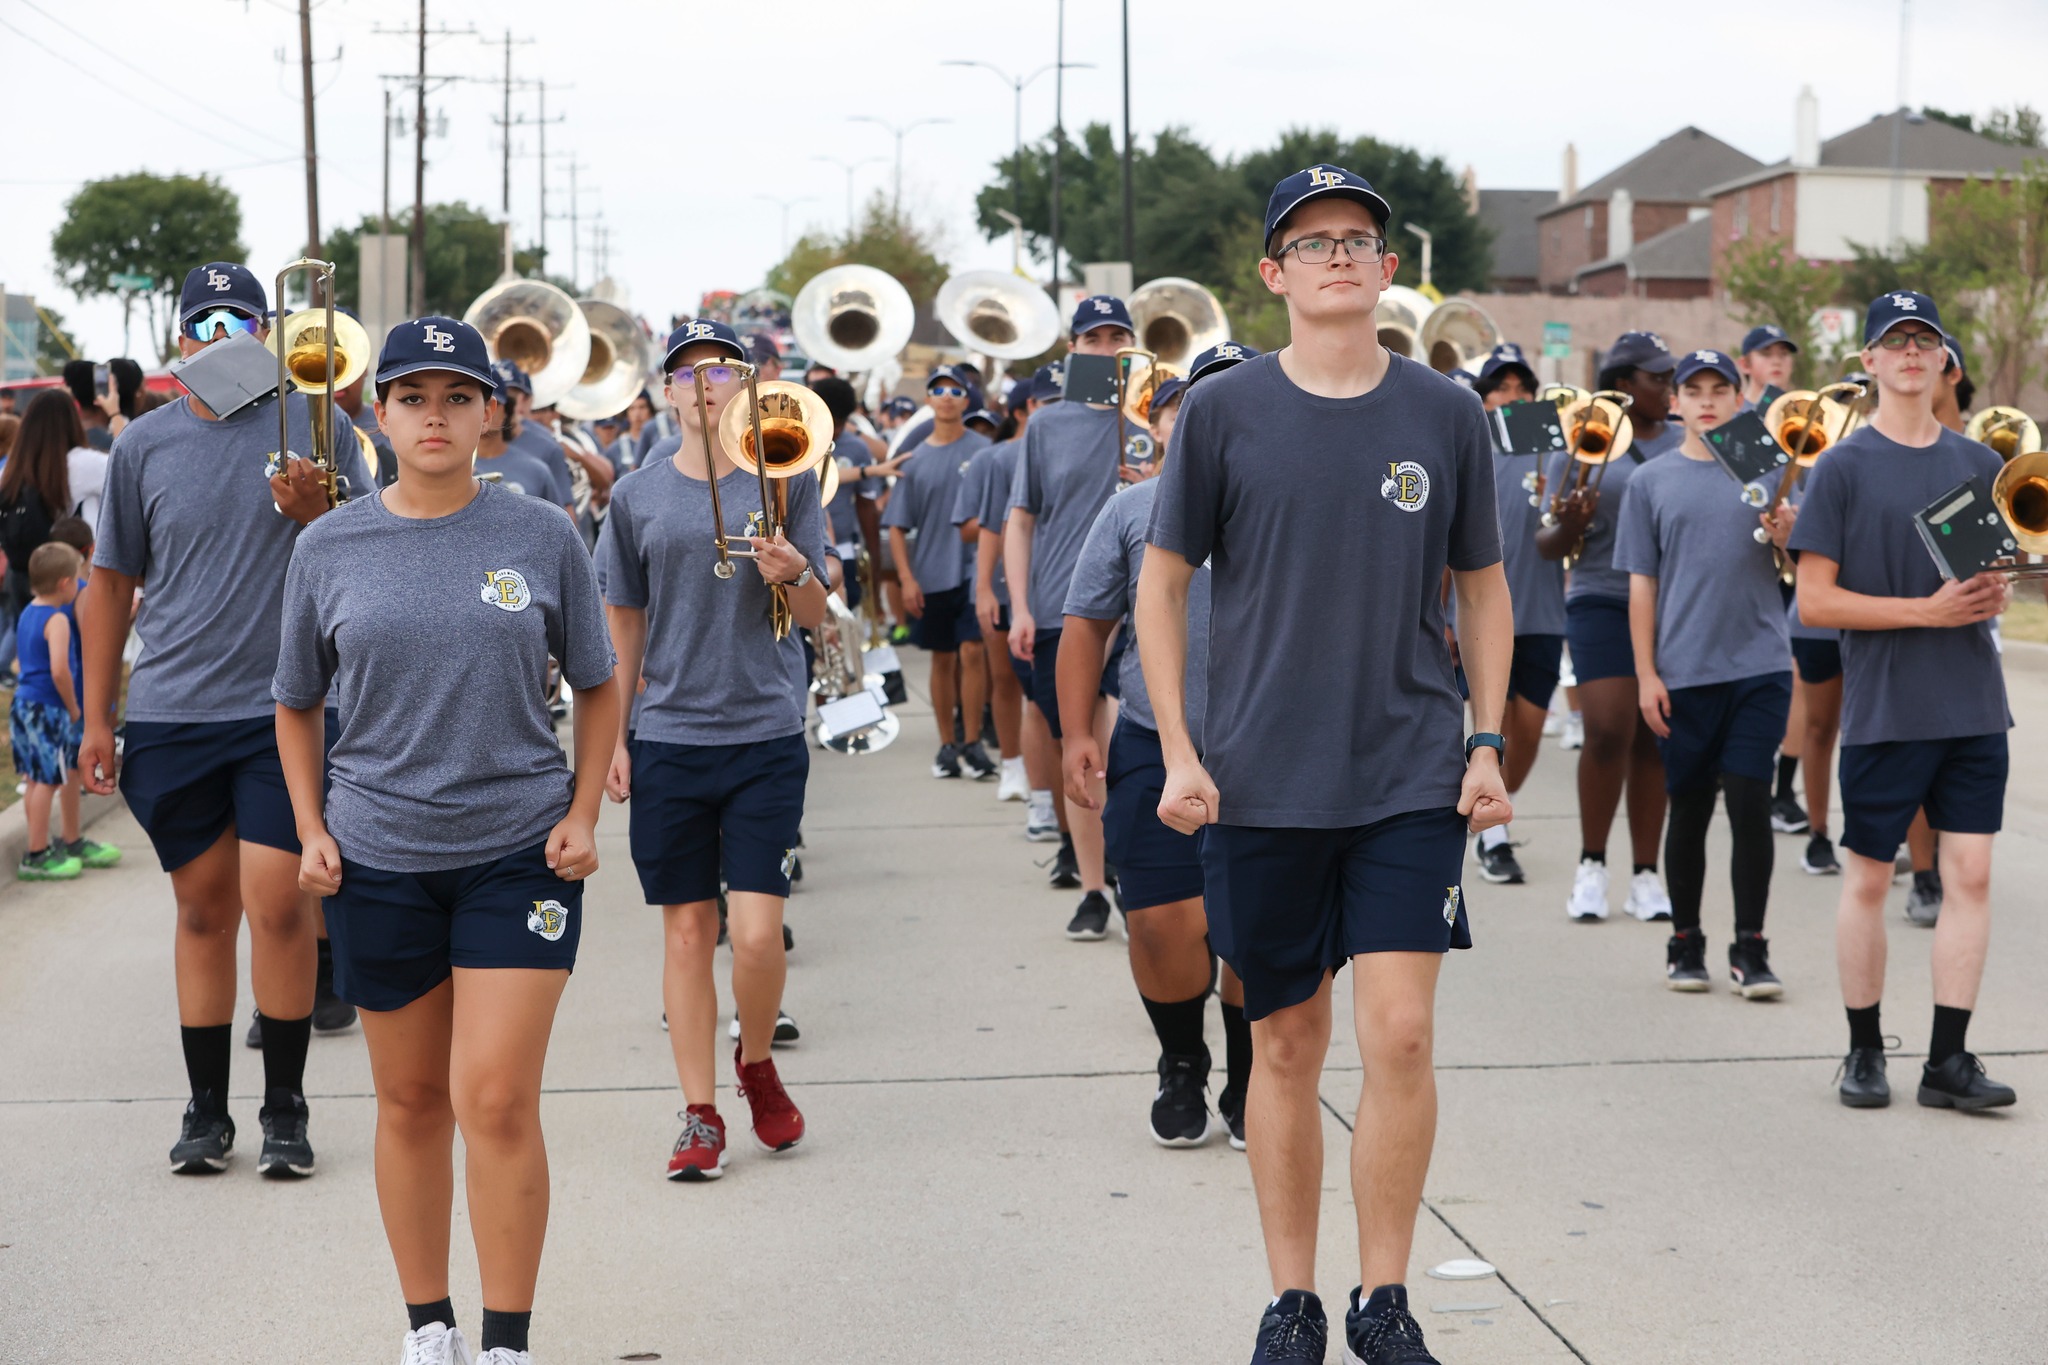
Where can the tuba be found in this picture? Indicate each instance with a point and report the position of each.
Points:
(538, 328)
(1176, 320)
(781, 431)
(852, 318)
(620, 358)
(1456, 333)
(2007, 431)
(841, 672)
(998, 314)
(318, 352)
(1399, 316)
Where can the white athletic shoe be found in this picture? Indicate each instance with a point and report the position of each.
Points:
(1041, 826)
(435, 1344)
(1012, 785)
(505, 1355)
(1574, 736)
(1589, 892)
(1647, 899)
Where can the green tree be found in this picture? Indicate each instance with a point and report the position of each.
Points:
(1768, 282)
(144, 224)
(465, 256)
(893, 244)
(2020, 125)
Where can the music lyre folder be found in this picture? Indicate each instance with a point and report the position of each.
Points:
(1744, 447)
(1531, 428)
(230, 375)
(1964, 532)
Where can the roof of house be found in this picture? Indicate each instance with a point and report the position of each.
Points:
(1927, 146)
(1511, 214)
(1677, 170)
(1685, 252)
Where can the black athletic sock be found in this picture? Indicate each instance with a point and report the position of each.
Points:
(284, 1052)
(1237, 1049)
(1641, 868)
(1754, 853)
(1927, 883)
(506, 1329)
(1863, 1028)
(1178, 1024)
(1788, 764)
(1685, 854)
(421, 1314)
(207, 1050)
(1587, 855)
(1950, 1025)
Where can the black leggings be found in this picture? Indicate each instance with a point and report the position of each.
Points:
(1749, 868)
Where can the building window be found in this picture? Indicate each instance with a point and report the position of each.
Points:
(1741, 228)
(1777, 199)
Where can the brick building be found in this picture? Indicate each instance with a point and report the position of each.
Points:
(1663, 188)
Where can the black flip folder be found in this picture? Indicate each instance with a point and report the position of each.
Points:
(1964, 532)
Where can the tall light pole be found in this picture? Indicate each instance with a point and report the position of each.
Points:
(896, 203)
(1017, 85)
(786, 205)
(850, 167)
(1130, 250)
(1059, 135)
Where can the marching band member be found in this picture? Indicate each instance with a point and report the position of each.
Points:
(1713, 670)
(1766, 362)
(187, 516)
(716, 765)
(454, 842)
(1924, 715)
(1343, 788)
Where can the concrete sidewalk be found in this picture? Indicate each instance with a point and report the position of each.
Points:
(1658, 1177)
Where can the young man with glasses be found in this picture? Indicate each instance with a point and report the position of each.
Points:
(1924, 714)
(1072, 462)
(1343, 787)
(714, 757)
(189, 517)
(931, 564)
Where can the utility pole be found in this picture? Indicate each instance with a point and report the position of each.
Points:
(575, 227)
(849, 167)
(1059, 135)
(312, 152)
(900, 130)
(1130, 250)
(386, 225)
(507, 84)
(1017, 84)
(417, 247)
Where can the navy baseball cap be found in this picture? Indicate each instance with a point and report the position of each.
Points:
(1220, 358)
(1692, 362)
(1102, 310)
(900, 406)
(1020, 395)
(1500, 358)
(1323, 182)
(949, 374)
(983, 415)
(1955, 355)
(437, 343)
(1167, 391)
(221, 284)
(508, 376)
(701, 331)
(1049, 383)
(1464, 379)
(1770, 334)
(1642, 351)
(1905, 305)
(761, 347)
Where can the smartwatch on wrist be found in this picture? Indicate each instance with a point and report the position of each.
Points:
(1497, 743)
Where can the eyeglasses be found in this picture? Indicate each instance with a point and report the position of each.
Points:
(202, 327)
(946, 391)
(1899, 341)
(1362, 248)
(712, 374)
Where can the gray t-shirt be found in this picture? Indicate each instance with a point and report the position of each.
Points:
(1800, 630)
(1720, 615)
(519, 470)
(536, 440)
(1920, 683)
(1535, 583)
(1066, 471)
(188, 511)
(715, 672)
(1105, 588)
(1329, 523)
(1593, 574)
(446, 757)
(985, 497)
(922, 507)
(845, 520)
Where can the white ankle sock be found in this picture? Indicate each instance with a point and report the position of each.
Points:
(1493, 838)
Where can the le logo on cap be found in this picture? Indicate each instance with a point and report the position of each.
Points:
(438, 339)
(1706, 357)
(1102, 306)
(1229, 352)
(697, 329)
(1322, 177)
(218, 280)
(1905, 303)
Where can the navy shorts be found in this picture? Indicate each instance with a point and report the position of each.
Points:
(1597, 628)
(1043, 687)
(1961, 782)
(1288, 907)
(1820, 661)
(705, 812)
(188, 782)
(1731, 727)
(1533, 675)
(397, 935)
(1155, 865)
(948, 621)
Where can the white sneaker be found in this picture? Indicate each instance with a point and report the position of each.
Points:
(1012, 785)
(1574, 736)
(1041, 826)
(1647, 899)
(786, 1032)
(505, 1355)
(1589, 892)
(435, 1344)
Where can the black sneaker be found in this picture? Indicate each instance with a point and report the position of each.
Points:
(1180, 1111)
(1960, 1083)
(1294, 1329)
(286, 1154)
(1923, 902)
(1066, 871)
(1091, 918)
(1685, 962)
(1862, 1078)
(1788, 816)
(1230, 1108)
(1819, 858)
(979, 764)
(1384, 1334)
(946, 763)
(331, 1013)
(206, 1139)
(255, 1036)
(1498, 864)
(788, 939)
(1749, 966)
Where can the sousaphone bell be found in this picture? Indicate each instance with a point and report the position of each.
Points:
(538, 328)
(2007, 431)
(998, 314)
(852, 318)
(1177, 319)
(620, 358)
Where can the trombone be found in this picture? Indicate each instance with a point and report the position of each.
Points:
(317, 353)
(1807, 423)
(1599, 433)
(783, 431)
(2007, 431)
(1134, 401)
(2020, 493)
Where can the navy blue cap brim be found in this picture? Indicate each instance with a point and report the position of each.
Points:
(1772, 341)
(1099, 323)
(483, 377)
(1381, 209)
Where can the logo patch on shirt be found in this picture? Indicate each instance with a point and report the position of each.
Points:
(549, 919)
(506, 590)
(1406, 485)
(1451, 898)
(757, 524)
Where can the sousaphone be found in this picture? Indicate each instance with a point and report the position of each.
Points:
(538, 328)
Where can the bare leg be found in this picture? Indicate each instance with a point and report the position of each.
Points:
(760, 968)
(973, 687)
(283, 955)
(209, 895)
(690, 994)
(1087, 824)
(415, 1137)
(67, 806)
(1170, 951)
(35, 802)
(1962, 935)
(1283, 1120)
(1006, 696)
(1817, 753)
(1395, 1013)
(945, 692)
(1608, 707)
(1523, 723)
(1920, 843)
(1042, 760)
(1859, 929)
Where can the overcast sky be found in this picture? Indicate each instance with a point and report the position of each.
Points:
(683, 115)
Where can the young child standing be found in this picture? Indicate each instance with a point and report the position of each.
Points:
(44, 721)
(78, 534)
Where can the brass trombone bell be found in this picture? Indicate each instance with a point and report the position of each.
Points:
(828, 482)
(302, 336)
(1597, 427)
(1807, 422)
(1141, 383)
(795, 427)
(2006, 430)
(319, 350)
(2020, 493)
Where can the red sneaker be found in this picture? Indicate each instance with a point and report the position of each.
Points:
(777, 1124)
(701, 1148)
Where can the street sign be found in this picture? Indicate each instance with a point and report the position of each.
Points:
(1557, 340)
(136, 283)
(1833, 326)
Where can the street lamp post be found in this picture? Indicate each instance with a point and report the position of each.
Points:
(849, 167)
(1428, 252)
(900, 130)
(786, 205)
(1017, 85)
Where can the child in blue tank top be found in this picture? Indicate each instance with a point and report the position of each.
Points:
(44, 726)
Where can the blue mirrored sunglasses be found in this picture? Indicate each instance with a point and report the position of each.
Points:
(202, 328)
(946, 391)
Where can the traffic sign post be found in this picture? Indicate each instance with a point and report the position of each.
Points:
(1557, 340)
(139, 284)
